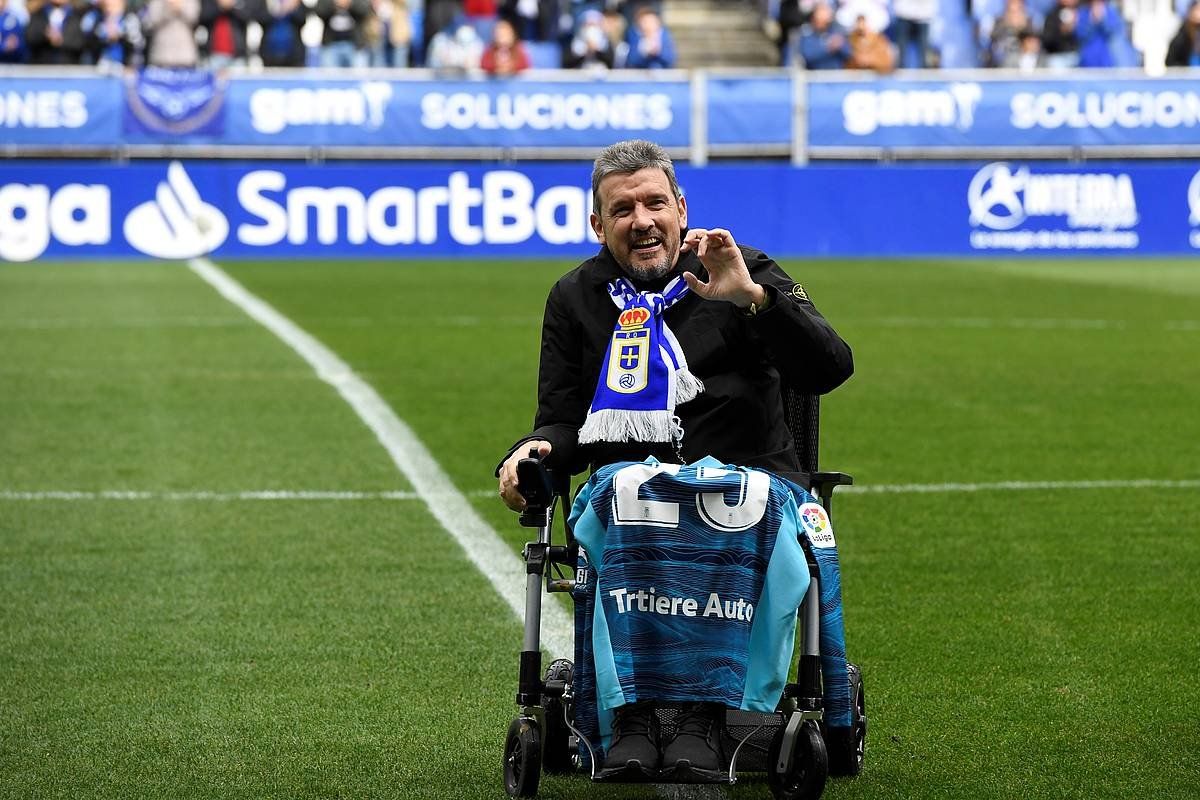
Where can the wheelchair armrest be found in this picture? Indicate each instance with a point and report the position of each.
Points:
(825, 482)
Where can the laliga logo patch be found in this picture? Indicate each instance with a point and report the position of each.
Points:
(816, 524)
(176, 223)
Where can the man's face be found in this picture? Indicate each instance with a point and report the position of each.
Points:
(640, 221)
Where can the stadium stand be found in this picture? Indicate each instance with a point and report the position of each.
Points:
(705, 33)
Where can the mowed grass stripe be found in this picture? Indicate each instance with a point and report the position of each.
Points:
(963, 607)
(233, 650)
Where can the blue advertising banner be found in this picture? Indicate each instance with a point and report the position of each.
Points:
(449, 114)
(753, 112)
(180, 210)
(1025, 113)
(60, 111)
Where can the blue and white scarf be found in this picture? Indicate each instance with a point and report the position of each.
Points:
(644, 374)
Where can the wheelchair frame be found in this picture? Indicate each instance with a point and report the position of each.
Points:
(802, 753)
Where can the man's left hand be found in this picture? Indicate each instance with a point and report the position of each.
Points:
(728, 277)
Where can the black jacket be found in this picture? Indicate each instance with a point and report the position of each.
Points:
(741, 359)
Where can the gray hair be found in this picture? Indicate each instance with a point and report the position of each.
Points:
(630, 156)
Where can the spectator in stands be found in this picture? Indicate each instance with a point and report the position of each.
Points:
(479, 9)
(343, 44)
(1060, 40)
(1184, 50)
(910, 29)
(12, 36)
(170, 27)
(823, 43)
(792, 15)
(1030, 58)
(438, 15)
(1005, 48)
(876, 13)
(1099, 23)
(616, 27)
(590, 48)
(457, 49)
(281, 22)
(225, 21)
(505, 55)
(534, 20)
(391, 47)
(115, 38)
(55, 33)
(652, 46)
(870, 49)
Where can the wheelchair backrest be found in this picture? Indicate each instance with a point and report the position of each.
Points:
(802, 412)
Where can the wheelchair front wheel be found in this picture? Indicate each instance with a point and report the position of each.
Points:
(522, 758)
(805, 778)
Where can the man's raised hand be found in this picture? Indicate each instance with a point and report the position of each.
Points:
(728, 277)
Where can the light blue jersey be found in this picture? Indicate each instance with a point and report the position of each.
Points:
(698, 575)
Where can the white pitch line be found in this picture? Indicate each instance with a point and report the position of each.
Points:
(347, 495)
(482, 546)
(181, 496)
(1017, 486)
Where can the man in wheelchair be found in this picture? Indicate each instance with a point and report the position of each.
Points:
(671, 342)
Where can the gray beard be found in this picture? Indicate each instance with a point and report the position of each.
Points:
(650, 273)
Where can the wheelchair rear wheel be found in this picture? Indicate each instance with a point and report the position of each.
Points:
(522, 758)
(557, 757)
(847, 750)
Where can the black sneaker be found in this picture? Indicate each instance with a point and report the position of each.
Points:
(694, 755)
(633, 751)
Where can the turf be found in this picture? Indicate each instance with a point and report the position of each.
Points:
(1015, 644)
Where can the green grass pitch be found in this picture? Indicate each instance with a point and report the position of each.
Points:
(1016, 642)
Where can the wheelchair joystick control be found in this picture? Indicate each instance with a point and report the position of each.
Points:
(534, 484)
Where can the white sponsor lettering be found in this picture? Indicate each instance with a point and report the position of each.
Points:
(1054, 240)
(650, 602)
(545, 111)
(1001, 199)
(30, 215)
(273, 110)
(43, 109)
(502, 210)
(1193, 198)
(1128, 109)
(864, 111)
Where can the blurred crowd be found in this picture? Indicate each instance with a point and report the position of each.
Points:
(1025, 35)
(505, 37)
(499, 37)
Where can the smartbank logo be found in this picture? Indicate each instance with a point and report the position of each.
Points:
(177, 223)
(1094, 206)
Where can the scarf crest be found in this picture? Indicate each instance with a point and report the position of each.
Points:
(644, 374)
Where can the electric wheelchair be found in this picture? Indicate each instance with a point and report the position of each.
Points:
(797, 746)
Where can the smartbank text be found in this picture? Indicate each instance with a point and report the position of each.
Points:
(502, 208)
(508, 212)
